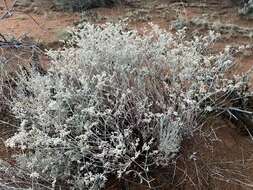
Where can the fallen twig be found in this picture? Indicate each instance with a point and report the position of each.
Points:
(2, 36)
(200, 5)
(17, 43)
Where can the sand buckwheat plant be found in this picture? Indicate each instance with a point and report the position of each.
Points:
(117, 103)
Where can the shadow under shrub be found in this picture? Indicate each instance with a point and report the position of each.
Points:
(117, 103)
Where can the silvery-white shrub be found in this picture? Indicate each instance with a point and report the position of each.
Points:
(115, 103)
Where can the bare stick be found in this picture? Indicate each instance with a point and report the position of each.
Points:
(2, 36)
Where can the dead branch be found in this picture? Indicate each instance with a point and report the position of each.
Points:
(2, 36)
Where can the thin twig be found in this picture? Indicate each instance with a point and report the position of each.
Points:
(2, 36)
(9, 11)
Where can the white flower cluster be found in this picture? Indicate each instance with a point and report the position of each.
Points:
(116, 103)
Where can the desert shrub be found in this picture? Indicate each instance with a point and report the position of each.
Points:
(77, 5)
(5, 84)
(116, 103)
(239, 2)
(246, 7)
(1, 83)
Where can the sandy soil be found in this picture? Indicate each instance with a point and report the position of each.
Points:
(44, 25)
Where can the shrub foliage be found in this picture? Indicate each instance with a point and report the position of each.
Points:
(117, 103)
(77, 5)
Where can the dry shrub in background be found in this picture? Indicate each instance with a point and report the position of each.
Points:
(246, 7)
(117, 103)
(77, 5)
